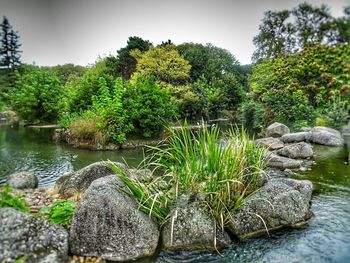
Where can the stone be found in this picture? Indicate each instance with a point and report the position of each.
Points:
(300, 150)
(25, 235)
(277, 129)
(140, 174)
(22, 180)
(326, 136)
(270, 143)
(191, 228)
(79, 181)
(280, 203)
(296, 137)
(108, 224)
(275, 161)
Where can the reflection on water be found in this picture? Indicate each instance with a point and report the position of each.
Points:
(33, 150)
(325, 239)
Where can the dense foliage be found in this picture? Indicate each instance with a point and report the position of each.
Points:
(60, 212)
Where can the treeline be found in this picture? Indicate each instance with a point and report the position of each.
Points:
(301, 77)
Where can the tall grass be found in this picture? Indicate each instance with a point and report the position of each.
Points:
(220, 170)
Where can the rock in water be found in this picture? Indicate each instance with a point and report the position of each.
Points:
(326, 136)
(108, 224)
(297, 150)
(22, 180)
(271, 143)
(296, 137)
(25, 235)
(190, 227)
(79, 181)
(275, 161)
(277, 129)
(279, 203)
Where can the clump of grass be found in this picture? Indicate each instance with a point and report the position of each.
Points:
(60, 212)
(9, 199)
(222, 171)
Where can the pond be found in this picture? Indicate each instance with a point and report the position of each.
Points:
(325, 239)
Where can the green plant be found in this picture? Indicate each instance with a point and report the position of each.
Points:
(60, 212)
(223, 173)
(9, 199)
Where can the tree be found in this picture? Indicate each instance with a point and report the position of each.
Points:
(275, 37)
(9, 50)
(340, 28)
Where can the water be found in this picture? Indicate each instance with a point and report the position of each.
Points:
(33, 150)
(325, 239)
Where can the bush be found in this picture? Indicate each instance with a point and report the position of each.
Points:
(9, 199)
(60, 212)
(253, 116)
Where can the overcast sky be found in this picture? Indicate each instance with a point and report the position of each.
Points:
(78, 31)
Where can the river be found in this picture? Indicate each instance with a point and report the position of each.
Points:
(325, 239)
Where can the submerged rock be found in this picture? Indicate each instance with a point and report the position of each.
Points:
(108, 224)
(22, 180)
(79, 181)
(270, 142)
(297, 150)
(275, 161)
(25, 235)
(277, 129)
(190, 227)
(326, 136)
(296, 137)
(279, 203)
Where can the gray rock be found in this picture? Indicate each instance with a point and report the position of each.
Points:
(191, 228)
(297, 150)
(108, 224)
(277, 129)
(296, 137)
(22, 180)
(275, 161)
(140, 174)
(270, 142)
(79, 181)
(326, 136)
(25, 235)
(279, 203)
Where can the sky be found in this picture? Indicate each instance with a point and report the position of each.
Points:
(79, 31)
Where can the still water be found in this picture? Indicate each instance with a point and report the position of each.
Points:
(325, 239)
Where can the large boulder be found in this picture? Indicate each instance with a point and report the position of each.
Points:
(108, 224)
(300, 150)
(22, 180)
(79, 181)
(270, 143)
(280, 162)
(280, 203)
(326, 136)
(191, 228)
(296, 137)
(23, 235)
(276, 129)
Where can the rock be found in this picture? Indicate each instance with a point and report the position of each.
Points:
(22, 180)
(108, 224)
(275, 161)
(296, 137)
(79, 181)
(271, 143)
(279, 203)
(191, 228)
(140, 174)
(297, 150)
(326, 136)
(277, 129)
(25, 235)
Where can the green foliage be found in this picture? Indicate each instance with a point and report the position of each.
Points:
(66, 71)
(60, 212)
(253, 115)
(9, 199)
(148, 106)
(223, 174)
(36, 96)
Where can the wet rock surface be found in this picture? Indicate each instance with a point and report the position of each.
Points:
(22, 180)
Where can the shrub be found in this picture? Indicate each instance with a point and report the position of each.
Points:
(222, 174)
(60, 212)
(9, 199)
(253, 116)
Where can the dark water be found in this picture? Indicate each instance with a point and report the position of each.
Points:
(33, 150)
(325, 239)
